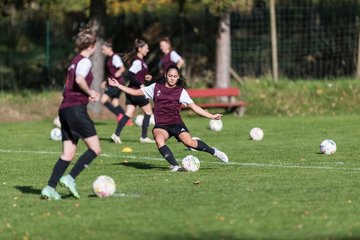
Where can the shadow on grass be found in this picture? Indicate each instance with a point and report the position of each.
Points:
(126, 141)
(28, 190)
(100, 123)
(140, 165)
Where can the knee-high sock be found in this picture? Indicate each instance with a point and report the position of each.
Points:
(121, 124)
(145, 126)
(168, 155)
(83, 162)
(58, 170)
(111, 108)
(119, 110)
(204, 147)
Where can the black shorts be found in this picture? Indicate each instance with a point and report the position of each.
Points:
(112, 92)
(173, 130)
(136, 100)
(76, 123)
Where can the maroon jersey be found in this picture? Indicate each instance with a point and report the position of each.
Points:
(112, 70)
(73, 95)
(167, 105)
(139, 75)
(165, 62)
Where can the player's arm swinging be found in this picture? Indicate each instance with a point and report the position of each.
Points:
(134, 92)
(204, 113)
(93, 95)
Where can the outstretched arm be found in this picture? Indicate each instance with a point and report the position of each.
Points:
(135, 92)
(204, 113)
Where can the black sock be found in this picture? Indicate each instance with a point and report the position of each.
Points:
(121, 124)
(168, 155)
(83, 162)
(119, 110)
(111, 108)
(204, 147)
(145, 126)
(58, 170)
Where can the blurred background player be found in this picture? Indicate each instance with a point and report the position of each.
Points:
(168, 96)
(75, 121)
(115, 69)
(137, 76)
(170, 56)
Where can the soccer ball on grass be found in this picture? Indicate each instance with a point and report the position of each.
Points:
(190, 163)
(55, 134)
(328, 147)
(256, 134)
(215, 125)
(104, 186)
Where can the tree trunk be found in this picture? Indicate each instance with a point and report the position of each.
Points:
(96, 23)
(358, 59)
(223, 52)
(275, 68)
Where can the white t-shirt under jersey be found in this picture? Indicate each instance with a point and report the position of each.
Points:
(149, 94)
(136, 66)
(83, 67)
(116, 61)
(174, 56)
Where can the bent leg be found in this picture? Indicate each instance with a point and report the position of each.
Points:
(88, 156)
(199, 145)
(160, 136)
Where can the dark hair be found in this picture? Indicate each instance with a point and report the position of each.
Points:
(84, 39)
(130, 55)
(166, 39)
(108, 43)
(181, 81)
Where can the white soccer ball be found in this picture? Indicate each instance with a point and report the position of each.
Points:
(139, 120)
(104, 186)
(56, 122)
(256, 134)
(190, 163)
(216, 125)
(55, 134)
(328, 147)
(192, 149)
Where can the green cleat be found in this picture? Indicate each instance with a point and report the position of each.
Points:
(50, 193)
(69, 182)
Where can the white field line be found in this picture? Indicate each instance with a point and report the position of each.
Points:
(246, 164)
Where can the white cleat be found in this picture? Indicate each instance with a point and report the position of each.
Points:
(221, 156)
(175, 169)
(146, 140)
(116, 139)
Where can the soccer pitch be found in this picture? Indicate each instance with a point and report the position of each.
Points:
(277, 188)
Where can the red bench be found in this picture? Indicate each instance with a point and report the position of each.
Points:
(231, 104)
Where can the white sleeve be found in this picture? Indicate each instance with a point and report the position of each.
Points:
(135, 67)
(175, 57)
(185, 98)
(149, 91)
(83, 67)
(116, 61)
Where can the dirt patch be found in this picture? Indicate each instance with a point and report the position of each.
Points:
(34, 107)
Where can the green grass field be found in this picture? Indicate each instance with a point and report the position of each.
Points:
(278, 188)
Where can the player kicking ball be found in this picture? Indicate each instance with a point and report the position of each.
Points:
(168, 96)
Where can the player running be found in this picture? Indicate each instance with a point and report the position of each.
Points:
(168, 97)
(115, 69)
(170, 56)
(137, 75)
(75, 121)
